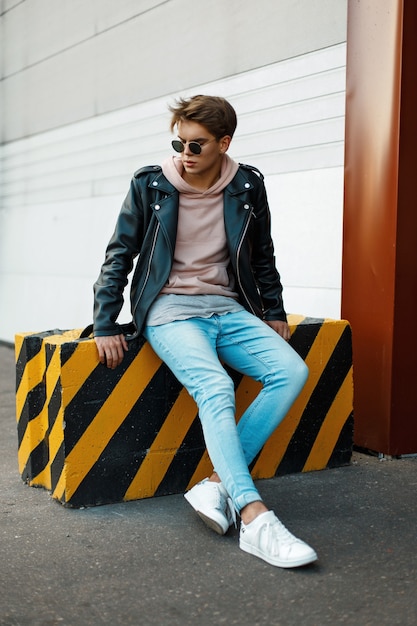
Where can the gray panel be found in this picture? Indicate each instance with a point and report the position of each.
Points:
(61, 66)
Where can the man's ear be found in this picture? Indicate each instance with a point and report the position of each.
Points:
(225, 143)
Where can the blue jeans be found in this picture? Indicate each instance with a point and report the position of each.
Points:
(193, 349)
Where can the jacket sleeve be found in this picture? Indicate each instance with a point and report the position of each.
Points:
(263, 259)
(121, 251)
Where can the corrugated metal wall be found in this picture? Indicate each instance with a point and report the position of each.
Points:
(61, 188)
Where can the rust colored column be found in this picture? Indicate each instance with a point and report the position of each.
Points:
(379, 284)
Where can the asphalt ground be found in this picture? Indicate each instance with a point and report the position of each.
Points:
(154, 562)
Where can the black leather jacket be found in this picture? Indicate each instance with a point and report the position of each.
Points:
(147, 226)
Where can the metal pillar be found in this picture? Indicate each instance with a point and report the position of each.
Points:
(379, 283)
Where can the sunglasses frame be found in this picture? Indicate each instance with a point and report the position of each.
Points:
(179, 146)
(195, 147)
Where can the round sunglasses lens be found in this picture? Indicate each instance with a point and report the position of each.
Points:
(195, 147)
(177, 145)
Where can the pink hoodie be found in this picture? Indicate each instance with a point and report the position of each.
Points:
(201, 258)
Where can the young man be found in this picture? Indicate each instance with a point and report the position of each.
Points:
(205, 291)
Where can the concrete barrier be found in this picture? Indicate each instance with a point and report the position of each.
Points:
(93, 436)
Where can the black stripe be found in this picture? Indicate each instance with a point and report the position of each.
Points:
(49, 353)
(342, 452)
(30, 347)
(57, 465)
(185, 461)
(119, 462)
(67, 350)
(89, 399)
(54, 404)
(318, 406)
(190, 452)
(37, 461)
(34, 403)
(180, 472)
(304, 336)
(108, 481)
(91, 396)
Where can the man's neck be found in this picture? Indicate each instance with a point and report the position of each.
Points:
(201, 182)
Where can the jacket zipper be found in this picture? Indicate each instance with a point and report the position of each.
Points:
(237, 262)
(148, 271)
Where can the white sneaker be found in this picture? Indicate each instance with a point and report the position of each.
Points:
(213, 504)
(267, 538)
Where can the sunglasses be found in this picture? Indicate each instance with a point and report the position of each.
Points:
(194, 146)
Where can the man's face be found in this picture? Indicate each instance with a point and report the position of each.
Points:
(208, 162)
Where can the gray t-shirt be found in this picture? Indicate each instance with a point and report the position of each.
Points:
(173, 307)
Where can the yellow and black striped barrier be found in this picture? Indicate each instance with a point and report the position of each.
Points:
(93, 436)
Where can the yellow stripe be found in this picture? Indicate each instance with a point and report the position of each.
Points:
(37, 427)
(35, 368)
(35, 371)
(35, 433)
(77, 369)
(203, 469)
(328, 435)
(109, 418)
(53, 373)
(74, 374)
(316, 360)
(56, 436)
(18, 343)
(52, 377)
(43, 479)
(32, 376)
(164, 448)
(295, 320)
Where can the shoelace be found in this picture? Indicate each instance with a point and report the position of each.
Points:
(280, 532)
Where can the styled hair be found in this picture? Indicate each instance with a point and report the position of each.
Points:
(214, 113)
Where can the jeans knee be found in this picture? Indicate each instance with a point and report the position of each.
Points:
(301, 373)
(218, 393)
(294, 374)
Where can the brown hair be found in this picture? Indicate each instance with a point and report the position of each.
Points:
(214, 113)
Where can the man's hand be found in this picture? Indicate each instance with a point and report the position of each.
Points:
(111, 349)
(281, 328)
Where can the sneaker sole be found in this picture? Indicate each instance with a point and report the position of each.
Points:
(209, 521)
(276, 561)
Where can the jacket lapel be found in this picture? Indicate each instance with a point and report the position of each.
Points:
(237, 208)
(165, 207)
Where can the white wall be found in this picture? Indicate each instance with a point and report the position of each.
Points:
(67, 60)
(63, 179)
